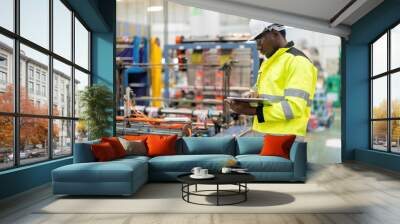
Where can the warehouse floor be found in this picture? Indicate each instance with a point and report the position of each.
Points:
(324, 146)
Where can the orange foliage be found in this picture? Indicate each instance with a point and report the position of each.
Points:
(380, 127)
(33, 130)
(6, 132)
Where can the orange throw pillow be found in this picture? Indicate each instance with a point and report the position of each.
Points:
(159, 145)
(277, 145)
(103, 152)
(116, 145)
(135, 137)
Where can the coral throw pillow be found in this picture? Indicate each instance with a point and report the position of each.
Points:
(135, 137)
(116, 145)
(277, 145)
(103, 152)
(159, 145)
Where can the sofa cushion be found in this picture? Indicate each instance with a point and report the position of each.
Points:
(249, 145)
(212, 145)
(134, 147)
(135, 137)
(277, 145)
(161, 145)
(257, 163)
(116, 145)
(185, 163)
(103, 152)
(112, 171)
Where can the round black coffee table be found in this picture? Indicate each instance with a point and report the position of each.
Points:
(238, 179)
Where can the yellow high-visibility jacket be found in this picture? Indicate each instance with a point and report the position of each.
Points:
(287, 81)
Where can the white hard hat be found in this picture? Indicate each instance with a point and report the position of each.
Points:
(257, 27)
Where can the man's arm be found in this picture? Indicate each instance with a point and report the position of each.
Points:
(296, 95)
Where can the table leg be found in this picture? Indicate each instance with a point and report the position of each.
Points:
(188, 190)
(196, 188)
(245, 193)
(182, 188)
(217, 194)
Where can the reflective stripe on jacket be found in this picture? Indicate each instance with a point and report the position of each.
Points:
(287, 81)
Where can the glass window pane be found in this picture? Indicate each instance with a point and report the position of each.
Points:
(62, 138)
(81, 131)
(81, 81)
(35, 21)
(7, 14)
(379, 55)
(395, 94)
(395, 47)
(6, 142)
(6, 74)
(81, 45)
(395, 135)
(34, 72)
(62, 29)
(33, 139)
(379, 98)
(62, 89)
(379, 135)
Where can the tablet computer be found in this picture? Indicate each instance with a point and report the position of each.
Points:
(250, 100)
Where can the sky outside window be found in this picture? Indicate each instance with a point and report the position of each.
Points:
(7, 14)
(379, 56)
(395, 47)
(62, 29)
(35, 21)
(81, 45)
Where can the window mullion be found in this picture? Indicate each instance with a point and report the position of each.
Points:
(371, 142)
(372, 94)
(16, 84)
(89, 53)
(389, 104)
(73, 81)
(50, 81)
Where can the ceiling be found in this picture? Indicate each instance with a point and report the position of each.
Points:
(326, 16)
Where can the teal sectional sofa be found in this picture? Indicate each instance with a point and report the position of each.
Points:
(125, 176)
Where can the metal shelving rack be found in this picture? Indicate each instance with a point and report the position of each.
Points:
(208, 45)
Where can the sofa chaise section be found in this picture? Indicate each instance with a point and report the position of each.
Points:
(87, 177)
(102, 178)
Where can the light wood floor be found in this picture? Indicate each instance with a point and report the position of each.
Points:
(378, 188)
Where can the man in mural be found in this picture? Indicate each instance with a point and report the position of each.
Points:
(286, 81)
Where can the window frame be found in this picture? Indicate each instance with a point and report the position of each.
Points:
(16, 114)
(388, 74)
(3, 70)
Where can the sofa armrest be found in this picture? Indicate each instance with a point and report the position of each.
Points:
(83, 152)
(298, 155)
